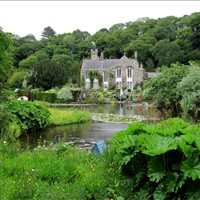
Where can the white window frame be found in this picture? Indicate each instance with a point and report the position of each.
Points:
(118, 73)
(129, 73)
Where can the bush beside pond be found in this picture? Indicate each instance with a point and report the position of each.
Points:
(22, 116)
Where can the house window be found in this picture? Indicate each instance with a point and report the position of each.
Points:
(129, 73)
(105, 76)
(119, 73)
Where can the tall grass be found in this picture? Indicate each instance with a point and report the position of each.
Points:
(68, 116)
(63, 173)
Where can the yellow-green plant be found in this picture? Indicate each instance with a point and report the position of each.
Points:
(68, 116)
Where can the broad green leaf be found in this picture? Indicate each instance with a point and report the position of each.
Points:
(153, 145)
(191, 168)
(186, 149)
(156, 170)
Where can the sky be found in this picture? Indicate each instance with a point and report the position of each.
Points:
(31, 17)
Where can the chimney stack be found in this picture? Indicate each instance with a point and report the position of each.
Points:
(135, 55)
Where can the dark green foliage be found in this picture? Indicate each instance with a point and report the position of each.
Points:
(44, 96)
(76, 93)
(162, 160)
(47, 74)
(29, 115)
(48, 32)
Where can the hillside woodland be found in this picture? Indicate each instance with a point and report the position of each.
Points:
(159, 42)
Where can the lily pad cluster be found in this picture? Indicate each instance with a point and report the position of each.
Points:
(116, 118)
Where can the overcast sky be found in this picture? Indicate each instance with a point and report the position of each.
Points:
(31, 17)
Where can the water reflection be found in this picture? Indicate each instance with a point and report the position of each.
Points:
(84, 135)
(120, 109)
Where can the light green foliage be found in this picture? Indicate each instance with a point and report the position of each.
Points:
(189, 87)
(28, 62)
(41, 55)
(65, 95)
(17, 78)
(63, 117)
(163, 156)
(163, 88)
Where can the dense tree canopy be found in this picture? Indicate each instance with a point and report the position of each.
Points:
(163, 41)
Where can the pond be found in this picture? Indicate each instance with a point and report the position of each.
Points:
(120, 108)
(85, 135)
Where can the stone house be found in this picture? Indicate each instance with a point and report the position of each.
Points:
(121, 73)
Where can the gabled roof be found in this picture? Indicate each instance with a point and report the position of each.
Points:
(92, 65)
(108, 63)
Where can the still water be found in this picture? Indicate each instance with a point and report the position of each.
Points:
(84, 135)
(120, 109)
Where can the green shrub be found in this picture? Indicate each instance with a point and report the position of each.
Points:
(45, 96)
(29, 115)
(161, 161)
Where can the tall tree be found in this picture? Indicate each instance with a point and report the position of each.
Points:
(48, 32)
(47, 74)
